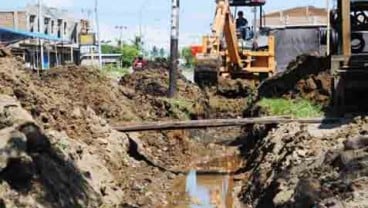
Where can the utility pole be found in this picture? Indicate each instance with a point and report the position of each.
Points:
(40, 30)
(98, 36)
(328, 28)
(255, 20)
(174, 44)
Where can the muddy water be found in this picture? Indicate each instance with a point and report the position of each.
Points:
(209, 186)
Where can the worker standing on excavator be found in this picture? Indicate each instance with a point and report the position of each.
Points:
(242, 24)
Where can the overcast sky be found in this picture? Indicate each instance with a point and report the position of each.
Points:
(196, 16)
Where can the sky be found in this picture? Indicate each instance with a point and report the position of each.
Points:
(195, 16)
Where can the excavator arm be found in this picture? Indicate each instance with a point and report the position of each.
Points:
(223, 27)
(209, 62)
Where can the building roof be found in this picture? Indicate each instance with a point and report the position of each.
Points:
(299, 12)
(8, 35)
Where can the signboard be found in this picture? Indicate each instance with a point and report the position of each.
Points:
(87, 39)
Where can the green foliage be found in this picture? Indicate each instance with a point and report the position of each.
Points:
(154, 52)
(188, 56)
(109, 49)
(128, 52)
(137, 42)
(299, 108)
(180, 108)
(162, 52)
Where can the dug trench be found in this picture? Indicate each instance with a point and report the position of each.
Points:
(56, 130)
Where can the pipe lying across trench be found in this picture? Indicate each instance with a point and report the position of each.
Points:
(214, 123)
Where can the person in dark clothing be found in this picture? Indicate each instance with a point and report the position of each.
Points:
(241, 21)
(241, 25)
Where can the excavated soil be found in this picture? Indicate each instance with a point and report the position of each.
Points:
(307, 77)
(308, 166)
(85, 162)
(173, 150)
(149, 88)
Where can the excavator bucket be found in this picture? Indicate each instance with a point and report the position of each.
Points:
(207, 69)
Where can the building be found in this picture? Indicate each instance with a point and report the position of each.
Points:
(299, 16)
(297, 31)
(113, 60)
(65, 31)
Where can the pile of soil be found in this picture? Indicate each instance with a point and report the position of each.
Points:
(308, 166)
(307, 77)
(149, 88)
(229, 98)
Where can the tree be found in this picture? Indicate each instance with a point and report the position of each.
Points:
(154, 52)
(137, 42)
(109, 49)
(187, 55)
(162, 52)
(128, 52)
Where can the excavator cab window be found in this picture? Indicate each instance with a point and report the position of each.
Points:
(247, 32)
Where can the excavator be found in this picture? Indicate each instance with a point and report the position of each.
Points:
(228, 54)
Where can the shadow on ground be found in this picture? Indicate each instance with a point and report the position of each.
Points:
(43, 171)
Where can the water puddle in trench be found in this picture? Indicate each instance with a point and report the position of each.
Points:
(204, 188)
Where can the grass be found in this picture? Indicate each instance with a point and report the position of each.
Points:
(181, 108)
(299, 108)
(115, 72)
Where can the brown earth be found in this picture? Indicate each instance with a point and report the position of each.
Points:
(174, 149)
(85, 161)
(307, 77)
(308, 166)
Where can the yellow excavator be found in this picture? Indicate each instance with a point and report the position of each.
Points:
(230, 52)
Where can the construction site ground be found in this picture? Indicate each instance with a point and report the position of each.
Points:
(58, 147)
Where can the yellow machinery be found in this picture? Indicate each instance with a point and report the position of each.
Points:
(223, 54)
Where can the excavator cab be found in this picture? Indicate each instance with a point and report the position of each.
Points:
(226, 54)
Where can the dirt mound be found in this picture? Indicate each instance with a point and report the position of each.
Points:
(307, 77)
(149, 90)
(308, 165)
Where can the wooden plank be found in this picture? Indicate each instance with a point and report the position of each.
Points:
(212, 123)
